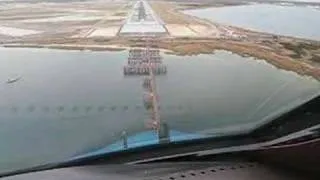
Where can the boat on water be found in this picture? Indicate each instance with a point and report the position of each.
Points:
(13, 80)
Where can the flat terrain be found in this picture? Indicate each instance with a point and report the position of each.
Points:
(95, 25)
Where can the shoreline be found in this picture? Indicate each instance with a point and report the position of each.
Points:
(196, 5)
(183, 49)
(187, 36)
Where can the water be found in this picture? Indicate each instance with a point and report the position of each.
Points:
(301, 22)
(68, 102)
(306, 0)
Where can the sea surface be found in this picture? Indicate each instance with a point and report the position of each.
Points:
(69, 102)
(297, 21)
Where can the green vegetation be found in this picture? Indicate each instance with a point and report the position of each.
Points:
(315, 58)
(300, 48)
(120, 14)
(101, 40)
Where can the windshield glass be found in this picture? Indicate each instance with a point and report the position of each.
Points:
(87, 77)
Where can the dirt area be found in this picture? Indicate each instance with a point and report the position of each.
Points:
(178, 30)
(202, 30)
(59, 19)
(110, 31)
(168, 13)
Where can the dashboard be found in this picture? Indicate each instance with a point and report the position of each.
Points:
(164, 171)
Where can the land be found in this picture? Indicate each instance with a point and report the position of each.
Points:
(95, 26)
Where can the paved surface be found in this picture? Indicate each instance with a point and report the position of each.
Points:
(142, 20)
